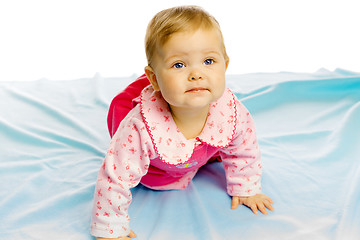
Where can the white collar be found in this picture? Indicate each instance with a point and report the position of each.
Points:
(169, 143)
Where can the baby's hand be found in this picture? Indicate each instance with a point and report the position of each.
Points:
(128, 237)
(259, 201)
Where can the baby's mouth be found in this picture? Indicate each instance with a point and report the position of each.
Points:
(197, 90)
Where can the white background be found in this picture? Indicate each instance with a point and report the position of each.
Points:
(68, 39)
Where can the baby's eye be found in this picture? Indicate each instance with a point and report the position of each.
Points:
(208, 61)
(178, 65)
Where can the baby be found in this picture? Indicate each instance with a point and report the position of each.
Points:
(183, 117)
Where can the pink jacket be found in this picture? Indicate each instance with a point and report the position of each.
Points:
(148, 148)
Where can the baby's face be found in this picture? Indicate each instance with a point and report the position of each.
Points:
(190, 69)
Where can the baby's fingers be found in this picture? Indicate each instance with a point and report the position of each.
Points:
(267, 198)
(254, 208)
(262, 208)
(132, 234)
(235, 202)
(266, 203)
(269, 206)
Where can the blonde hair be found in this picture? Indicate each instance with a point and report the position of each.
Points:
(177, 19)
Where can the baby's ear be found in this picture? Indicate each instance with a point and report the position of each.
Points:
(149, 71)
(226, 63)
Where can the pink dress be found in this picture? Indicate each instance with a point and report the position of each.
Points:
(148, 148)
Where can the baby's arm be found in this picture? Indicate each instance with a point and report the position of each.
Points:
(242, 163)
(242, 158)
(127, 160)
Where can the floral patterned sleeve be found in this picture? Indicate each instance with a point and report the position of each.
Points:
(126, 161)
(241, 159)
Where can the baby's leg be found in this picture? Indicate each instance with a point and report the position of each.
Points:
(122, 104)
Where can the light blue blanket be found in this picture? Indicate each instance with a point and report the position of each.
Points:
(53, 138)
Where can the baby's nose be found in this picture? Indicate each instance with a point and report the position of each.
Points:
(195, 75)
